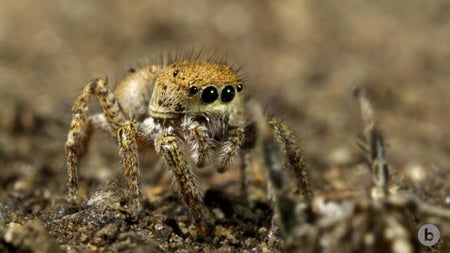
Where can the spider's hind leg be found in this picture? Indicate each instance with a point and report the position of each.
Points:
(81, 127)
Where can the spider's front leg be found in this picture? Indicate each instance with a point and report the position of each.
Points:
(167, 145)
(130, 161)
(81, 127)
(294, 159)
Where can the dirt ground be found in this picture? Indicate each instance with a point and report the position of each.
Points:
(301, 59)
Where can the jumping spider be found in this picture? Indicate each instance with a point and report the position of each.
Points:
(193, 113)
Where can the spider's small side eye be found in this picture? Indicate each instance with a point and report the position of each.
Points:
(227, 94)
(132, 70)
(209, 95)
(193, 90)
(175, 73)
(239, 88)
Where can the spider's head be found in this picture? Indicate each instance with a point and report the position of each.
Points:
(195, 87)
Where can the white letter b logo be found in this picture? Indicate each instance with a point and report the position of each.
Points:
(428, 235)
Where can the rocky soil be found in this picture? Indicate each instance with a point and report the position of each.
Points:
(301, 60)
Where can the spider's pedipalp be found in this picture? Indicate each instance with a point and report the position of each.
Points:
(230, 148)
(202, 145)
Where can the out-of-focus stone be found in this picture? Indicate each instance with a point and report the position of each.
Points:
(26, 237)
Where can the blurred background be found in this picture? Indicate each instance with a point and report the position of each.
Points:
(301, 59)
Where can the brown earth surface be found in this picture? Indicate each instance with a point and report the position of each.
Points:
(302, 59)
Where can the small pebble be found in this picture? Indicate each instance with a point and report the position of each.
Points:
(416, 172)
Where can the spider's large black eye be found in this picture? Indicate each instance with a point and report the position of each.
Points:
(227, 94)
(209, 95)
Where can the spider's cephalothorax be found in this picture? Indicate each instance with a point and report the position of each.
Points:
(195, 88)
(190, 110)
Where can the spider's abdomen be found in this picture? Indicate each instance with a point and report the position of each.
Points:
(134, 91)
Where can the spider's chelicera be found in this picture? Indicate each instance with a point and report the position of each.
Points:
(193, 113)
